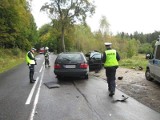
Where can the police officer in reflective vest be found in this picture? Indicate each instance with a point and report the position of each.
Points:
(31, 61)
(110, 60)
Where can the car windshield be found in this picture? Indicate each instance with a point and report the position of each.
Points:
(70, 57)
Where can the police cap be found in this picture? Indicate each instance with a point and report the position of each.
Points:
(107, 44)
(33, 49)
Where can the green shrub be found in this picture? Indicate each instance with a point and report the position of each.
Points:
(16, 52)
(145, 48)
(134, 61)
(9, 59)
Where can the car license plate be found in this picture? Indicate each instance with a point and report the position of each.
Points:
(70, 66)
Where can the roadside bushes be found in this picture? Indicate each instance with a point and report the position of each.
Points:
(16, 51)
(9, 58)
(145, 48)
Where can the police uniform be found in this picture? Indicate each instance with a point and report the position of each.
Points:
(110, 60)
(30, 60)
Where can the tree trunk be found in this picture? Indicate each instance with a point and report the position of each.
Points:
(62, 38)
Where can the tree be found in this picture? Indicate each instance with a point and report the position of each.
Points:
(104, 25)
(68, 12)
(17, 26)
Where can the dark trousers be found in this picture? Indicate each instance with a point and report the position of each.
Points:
(31, 71)
(111, 73)
(46, 61)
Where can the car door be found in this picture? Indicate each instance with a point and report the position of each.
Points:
(156, 63)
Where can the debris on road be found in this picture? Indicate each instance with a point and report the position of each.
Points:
(120, 78)
(124, 98)
(52, 85)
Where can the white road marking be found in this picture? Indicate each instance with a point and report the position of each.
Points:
(36, 98)
(37, 58)
(28, 101)
(41, 67)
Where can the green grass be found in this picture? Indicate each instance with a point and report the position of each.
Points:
(134, 62)
(10, 58)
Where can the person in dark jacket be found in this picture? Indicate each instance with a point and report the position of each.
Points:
(110, 60)
(31, 62)
(46, 55)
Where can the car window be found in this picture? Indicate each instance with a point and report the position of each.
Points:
(93, 53)
(158, 53)
(96, 56)
(70, 57)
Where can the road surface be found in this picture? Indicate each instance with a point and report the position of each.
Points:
(75, 99)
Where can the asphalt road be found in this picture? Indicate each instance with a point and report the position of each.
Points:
(75, 99)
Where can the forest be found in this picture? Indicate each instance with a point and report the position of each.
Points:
(68, 30)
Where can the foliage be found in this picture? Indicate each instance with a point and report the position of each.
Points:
(104, 25)
(84, 39)
(16, 52)
(134, 62)
(67, 12)
(17, 27)
(145, 48)
(132, 48)
(143, 38)
(10, 58)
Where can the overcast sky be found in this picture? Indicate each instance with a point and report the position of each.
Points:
(123, 15)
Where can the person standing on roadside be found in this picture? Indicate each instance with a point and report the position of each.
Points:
(31, 62)
(110, 60)
(46, 55)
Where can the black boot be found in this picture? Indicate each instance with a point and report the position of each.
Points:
(31, 77)
(111, 94)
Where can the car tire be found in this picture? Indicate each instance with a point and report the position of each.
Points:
(59, 77)
(148, 75)
(86, 77)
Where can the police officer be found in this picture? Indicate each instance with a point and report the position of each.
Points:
(31, 61)
(110, 60)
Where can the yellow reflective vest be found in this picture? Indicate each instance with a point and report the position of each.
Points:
(28, 60)
(110, 58)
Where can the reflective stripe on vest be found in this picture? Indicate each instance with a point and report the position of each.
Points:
(110, 58)
(28, 60)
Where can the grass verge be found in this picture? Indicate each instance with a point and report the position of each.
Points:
(10, 58)
(135, 62)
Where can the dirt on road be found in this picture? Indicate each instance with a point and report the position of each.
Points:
(135, 85)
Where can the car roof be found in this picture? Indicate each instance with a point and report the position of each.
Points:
(71, 53)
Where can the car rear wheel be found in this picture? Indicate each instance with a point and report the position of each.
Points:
(86, 76)
(148, 75)
(59, 77)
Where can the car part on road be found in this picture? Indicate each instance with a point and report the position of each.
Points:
(124, 98)
(120, 78)
(52, 85)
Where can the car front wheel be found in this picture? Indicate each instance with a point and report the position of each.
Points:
(148, 75)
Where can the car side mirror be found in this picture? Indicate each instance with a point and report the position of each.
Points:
(149, 56)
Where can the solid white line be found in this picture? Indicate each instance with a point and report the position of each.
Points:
(28, 101)
(41, 67)
(36, 98)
